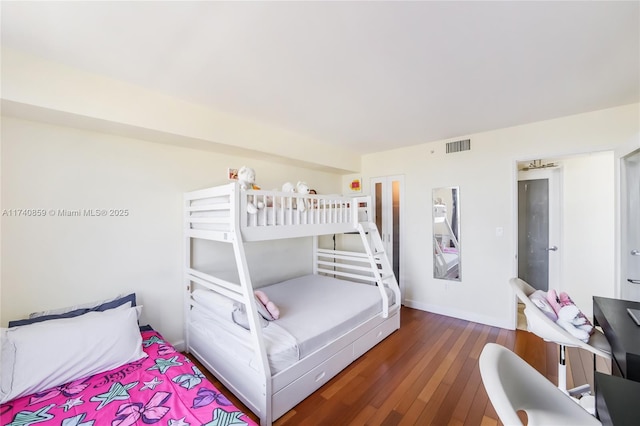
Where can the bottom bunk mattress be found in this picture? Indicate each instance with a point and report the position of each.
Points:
(314, 310)
(164, 388)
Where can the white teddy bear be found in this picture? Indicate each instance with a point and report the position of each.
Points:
(288, 187)
(247, 179)
(300, 188)
(569, 318)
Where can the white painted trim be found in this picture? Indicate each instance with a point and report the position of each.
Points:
(461, 314)
(620, 217)
(387, 198)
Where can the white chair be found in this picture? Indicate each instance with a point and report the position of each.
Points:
(513, 385)
(541, 325)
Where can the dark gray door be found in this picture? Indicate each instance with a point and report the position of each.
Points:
(533, 232)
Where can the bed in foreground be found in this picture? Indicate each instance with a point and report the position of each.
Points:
(160, 386)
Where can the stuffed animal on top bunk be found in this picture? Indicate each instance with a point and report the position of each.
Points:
(570, 317)
(300, 188)
(247, 180)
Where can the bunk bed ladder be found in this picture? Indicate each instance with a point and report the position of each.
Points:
(380, 265)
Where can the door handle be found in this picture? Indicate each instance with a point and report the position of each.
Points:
(552, 248)
(632, 281)
(635, 252)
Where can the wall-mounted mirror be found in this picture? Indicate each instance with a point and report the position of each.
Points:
(446, 233)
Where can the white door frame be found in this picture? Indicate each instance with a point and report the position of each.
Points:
(624, 289)
(388, 203)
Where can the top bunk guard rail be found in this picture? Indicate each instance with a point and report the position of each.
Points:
(266, 215)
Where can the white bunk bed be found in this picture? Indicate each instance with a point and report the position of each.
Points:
(446, 258)
(329, 318)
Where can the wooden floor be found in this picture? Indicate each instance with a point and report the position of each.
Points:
(425, 373)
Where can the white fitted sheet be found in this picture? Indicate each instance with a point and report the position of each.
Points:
(314, 310)
(317, 309)
(282, 348)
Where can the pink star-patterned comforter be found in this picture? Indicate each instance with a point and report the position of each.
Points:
(165, 388)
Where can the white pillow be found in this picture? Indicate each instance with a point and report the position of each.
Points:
(237, 315)
(51, 353)
(8, 359)
(225, 308)
(241, 318)
(221, 305)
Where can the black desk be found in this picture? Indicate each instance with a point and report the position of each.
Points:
(622, 333)
(617, 400)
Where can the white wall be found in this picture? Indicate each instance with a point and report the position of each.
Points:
(486, 176)
(57, 261)
(50, 262)
(588, 228)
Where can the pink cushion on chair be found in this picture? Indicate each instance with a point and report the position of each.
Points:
(539, 298)
(554, 300)
(558, 301)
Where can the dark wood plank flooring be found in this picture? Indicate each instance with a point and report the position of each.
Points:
(425, 373)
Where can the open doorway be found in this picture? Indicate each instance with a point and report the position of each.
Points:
(539, 213)
(581, 257)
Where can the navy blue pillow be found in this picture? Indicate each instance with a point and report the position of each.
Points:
(100, 308)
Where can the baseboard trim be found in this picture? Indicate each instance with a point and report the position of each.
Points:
(460, 314)
(180, 345)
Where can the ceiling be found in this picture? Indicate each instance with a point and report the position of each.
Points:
(369, 76)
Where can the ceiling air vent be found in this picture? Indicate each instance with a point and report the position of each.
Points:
(458, 146)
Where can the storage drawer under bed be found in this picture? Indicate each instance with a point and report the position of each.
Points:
(296, 391)
(292, 394)
(375, 336)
